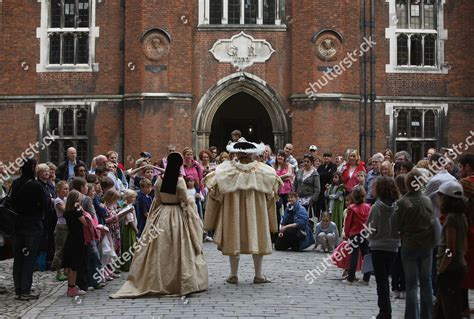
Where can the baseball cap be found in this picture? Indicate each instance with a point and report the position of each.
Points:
(313, 148)
(452, 189)
(145, 154)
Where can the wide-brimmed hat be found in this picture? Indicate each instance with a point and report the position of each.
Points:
(244, 146)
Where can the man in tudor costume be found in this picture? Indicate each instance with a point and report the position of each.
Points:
(241, 207)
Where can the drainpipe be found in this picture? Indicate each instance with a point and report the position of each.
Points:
(122, 86)
(372, 78)
(363, 88)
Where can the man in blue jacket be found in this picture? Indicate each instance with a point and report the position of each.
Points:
(295, 231)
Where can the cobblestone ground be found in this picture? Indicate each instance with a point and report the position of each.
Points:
(289, 296)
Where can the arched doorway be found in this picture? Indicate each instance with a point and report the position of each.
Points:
(250, 100)
(241, 112)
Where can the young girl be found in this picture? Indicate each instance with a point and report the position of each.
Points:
(342, 254)
(111, 218)
(452, 267)
(361, 178)
(357, 215)
(75, 251)
(194, 193)
(129, 228)
(326, 233)
(335, 195)
(60, 231)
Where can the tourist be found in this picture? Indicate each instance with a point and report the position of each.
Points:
(144, 200)
(60, 231)
(66, 169)
(307, 185)
(326, 233)
(335, 196)
(129, 230)
(353, 166)
(325, 171)
(285, 171)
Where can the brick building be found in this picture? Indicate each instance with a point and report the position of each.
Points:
(137, 75)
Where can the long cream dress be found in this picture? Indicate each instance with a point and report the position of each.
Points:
(241, 207)
(169, 259)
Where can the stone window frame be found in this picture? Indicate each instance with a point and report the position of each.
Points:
(43, 111)
(204, 15)
(42, 34)
(392, 33)
(440, 111)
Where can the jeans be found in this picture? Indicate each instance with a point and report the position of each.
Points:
(449, 299)
(289, 240)
(358, 243)
(417, 266)
(25, 248)
(94, 264)
(398, 275)
(382, 261)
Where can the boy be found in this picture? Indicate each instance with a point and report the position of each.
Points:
(144, 200)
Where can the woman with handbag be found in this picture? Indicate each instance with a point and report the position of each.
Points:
(383, 240)
(307, 184)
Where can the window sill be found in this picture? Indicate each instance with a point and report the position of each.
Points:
(416, 69)
(68, 68)
(250, 27)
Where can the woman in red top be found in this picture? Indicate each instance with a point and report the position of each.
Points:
(354, 165)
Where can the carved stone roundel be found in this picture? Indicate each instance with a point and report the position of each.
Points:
(156, 46)
(327, 47)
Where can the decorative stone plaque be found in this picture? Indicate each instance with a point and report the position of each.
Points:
(156, 45)
(327, 47)
(242, 50)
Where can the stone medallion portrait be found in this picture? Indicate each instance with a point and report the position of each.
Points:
(327, 46)
(156, 45)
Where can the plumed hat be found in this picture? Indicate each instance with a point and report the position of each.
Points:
(243, 146)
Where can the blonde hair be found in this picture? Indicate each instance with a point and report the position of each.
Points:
(389, 166)
(42, 167)
(111, 196)
(129, 194)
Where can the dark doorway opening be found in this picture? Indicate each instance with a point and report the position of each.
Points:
(245, 113)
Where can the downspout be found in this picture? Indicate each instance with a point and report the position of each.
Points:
(122, 86)
(372, 78)
(363, 89)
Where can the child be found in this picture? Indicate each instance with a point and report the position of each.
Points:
(60, 231)
(451, 265)
(75, 251)
(129, 228)
(356, 219)
(144, 200)
(111, 218)
(335, 196)
(148, 172)
(327, 234)
(341, 255)
(194, 193)
(361, 178)
(383, 240)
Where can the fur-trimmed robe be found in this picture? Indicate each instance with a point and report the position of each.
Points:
(241, 207)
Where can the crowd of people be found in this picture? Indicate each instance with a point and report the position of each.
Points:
(413, 222)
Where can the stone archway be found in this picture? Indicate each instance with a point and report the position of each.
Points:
(229, 86)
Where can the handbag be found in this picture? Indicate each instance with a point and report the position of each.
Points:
(367, 265)
(8, 216)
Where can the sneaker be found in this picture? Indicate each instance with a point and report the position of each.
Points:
(29, 296)
(74, 291)
(347, 282)
(90, 288)
(363, 282)
(100, 285)
(208, 239)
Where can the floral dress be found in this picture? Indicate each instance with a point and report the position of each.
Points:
(114, 228)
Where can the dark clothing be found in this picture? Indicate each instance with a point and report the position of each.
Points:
(299, 216)
(398, 276)
(75, 251)
(28, 198)
(100, 211)
(25, 249)
(62, 171)
(142, 207)
(360, 243)
(325, 177)
(289, 240)
(449, 299)
(382, 261)
(49, 222)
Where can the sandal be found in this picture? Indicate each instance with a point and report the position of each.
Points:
(263, 280)
(232, 280)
